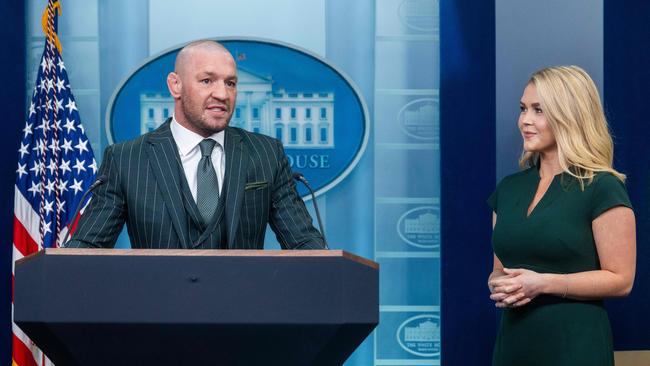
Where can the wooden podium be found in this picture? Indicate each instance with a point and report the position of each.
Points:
(196, 307)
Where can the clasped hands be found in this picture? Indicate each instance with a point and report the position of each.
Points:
(516, 287)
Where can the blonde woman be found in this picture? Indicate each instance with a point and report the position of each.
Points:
(564, 229)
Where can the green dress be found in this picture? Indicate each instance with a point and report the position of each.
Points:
(555, 238)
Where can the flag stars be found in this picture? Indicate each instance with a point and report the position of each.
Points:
(69, 125)
(67, 145)
(50, 160)
(37, 146)
(43, 85)
(21, 170)
(52, 166)
(45, 125)
(23, 150)
(63, 186)
(50, 63)
(40, 147)
(49, 187)
(82, 146)
(28, 129)
(34, 189)
(77, 186)
(65, 166)
(46, 227)
(53, 146)
(93, 166)
(60, 84)
(79, 166)
(72, 106)
(48, 207)
(36, 168)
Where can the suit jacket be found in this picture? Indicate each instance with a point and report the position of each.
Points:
(147, 189)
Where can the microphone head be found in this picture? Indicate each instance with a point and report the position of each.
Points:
(298, 176)
(98, 182)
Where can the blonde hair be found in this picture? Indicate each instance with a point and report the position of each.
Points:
(572, 107)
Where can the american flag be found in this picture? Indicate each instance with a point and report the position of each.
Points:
(55, 167)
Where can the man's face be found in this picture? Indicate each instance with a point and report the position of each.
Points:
(205, 91)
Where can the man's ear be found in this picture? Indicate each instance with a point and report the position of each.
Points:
(174, 85)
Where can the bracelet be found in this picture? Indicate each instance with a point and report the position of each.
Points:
(566, 289)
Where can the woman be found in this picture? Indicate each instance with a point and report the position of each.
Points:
(564, 231)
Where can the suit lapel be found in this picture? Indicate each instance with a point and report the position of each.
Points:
(165, 165)
(237, 159)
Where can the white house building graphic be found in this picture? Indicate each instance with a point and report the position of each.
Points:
(298, 119)
(427, 223)
(426, 331)
(419, 119)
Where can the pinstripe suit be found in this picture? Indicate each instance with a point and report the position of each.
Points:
(147, 189)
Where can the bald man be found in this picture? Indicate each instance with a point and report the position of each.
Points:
(195, 182)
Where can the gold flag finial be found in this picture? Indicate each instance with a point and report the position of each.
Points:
(47, 22)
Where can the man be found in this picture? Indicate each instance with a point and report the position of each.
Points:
(195, 182)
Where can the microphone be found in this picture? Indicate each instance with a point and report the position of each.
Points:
(98, 182)
(301, 178)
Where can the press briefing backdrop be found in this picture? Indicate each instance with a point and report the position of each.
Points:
(350, 88)
(405, 186)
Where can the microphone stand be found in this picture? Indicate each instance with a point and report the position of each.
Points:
(301, 178)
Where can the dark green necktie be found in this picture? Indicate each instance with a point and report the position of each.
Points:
(207, 185)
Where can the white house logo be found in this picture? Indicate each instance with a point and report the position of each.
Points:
(420, 227)
(419, 15)
(283, 92)
(299, 120)
(420, 335)
(419, 119)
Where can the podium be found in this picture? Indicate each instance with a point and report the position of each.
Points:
(196, 307)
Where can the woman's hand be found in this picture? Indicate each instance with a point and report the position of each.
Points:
(498, 289)
(516, 288)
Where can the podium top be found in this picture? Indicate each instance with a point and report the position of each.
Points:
(202, 253)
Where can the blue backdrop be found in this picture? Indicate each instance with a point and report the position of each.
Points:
(627, 59)
(12, 97)
(467, 140)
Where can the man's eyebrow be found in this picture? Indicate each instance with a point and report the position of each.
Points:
(211, 74)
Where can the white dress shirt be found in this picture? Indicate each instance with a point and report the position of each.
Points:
(188, 147)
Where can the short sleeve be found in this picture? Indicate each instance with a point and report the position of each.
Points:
(608, 192)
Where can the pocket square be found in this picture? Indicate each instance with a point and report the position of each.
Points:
(255, 185)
